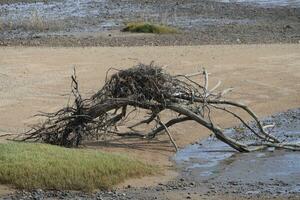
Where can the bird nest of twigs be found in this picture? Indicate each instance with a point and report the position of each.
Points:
(151, 88)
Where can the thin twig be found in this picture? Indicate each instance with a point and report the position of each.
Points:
(169, 134)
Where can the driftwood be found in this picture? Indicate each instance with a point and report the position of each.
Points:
(150, 88)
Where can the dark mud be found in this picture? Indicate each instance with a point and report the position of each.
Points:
(211, 170)
(271, 172)
(98, 23)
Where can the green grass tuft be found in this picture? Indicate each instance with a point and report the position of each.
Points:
(30, 165)
(145, 27)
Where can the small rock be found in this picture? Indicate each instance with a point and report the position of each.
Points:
(271, 149)
(288, 27)
(233, 183)
(252, 192)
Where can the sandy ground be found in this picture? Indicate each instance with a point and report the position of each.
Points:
(265, 77)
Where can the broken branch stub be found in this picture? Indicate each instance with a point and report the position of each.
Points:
(150, 88)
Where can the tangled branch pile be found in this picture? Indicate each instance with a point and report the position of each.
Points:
(151, 88)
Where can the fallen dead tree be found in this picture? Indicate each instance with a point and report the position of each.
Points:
(150, 88)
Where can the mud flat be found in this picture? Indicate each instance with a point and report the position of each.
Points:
(98, 23)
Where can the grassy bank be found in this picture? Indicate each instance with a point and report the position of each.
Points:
(29, 166)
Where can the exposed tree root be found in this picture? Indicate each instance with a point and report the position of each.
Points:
(150, 88)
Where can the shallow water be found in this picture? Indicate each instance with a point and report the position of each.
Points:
(212, 160)
(267, 3)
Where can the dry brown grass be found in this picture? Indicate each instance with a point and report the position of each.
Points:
(34, 23)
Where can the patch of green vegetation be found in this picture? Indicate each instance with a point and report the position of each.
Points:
(31, 165)
(145, 27)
